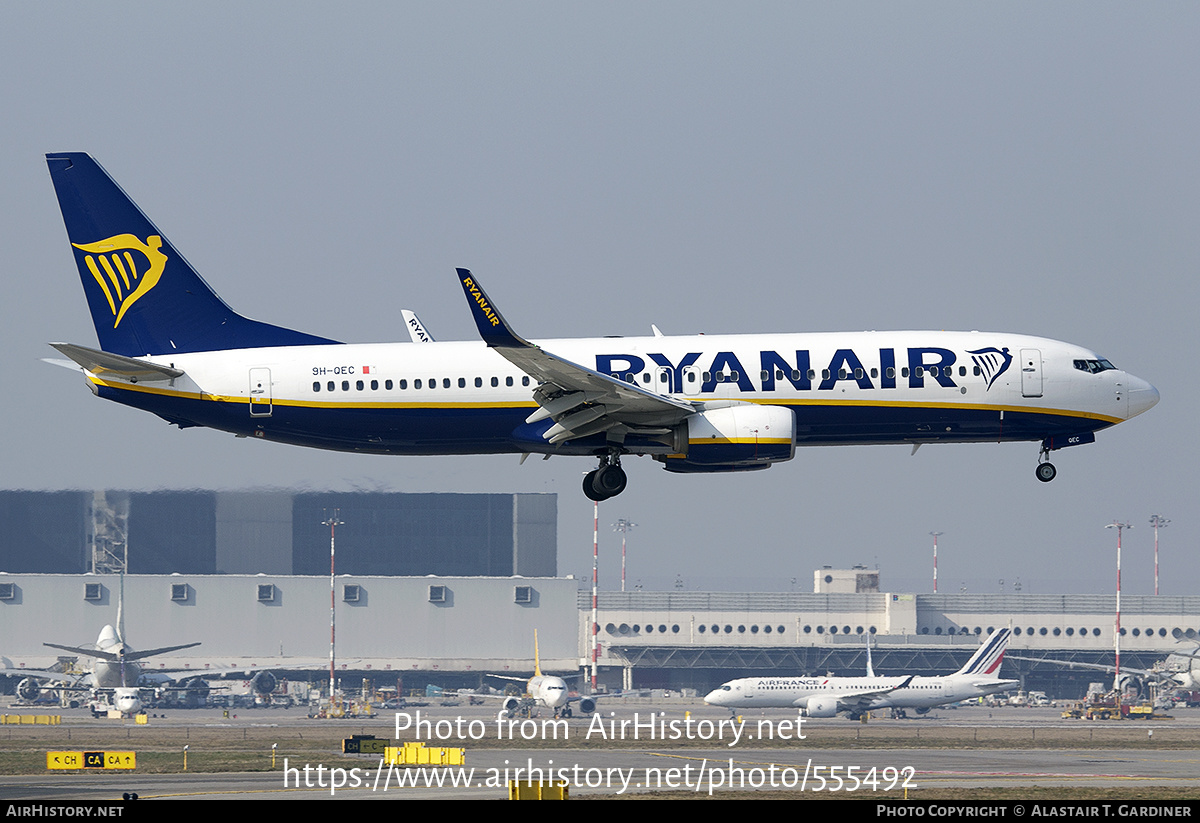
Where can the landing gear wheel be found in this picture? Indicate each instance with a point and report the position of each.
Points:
(589, 489)
(1046, 472)
(609, 481)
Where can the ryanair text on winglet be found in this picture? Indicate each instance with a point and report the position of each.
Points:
(477, 295)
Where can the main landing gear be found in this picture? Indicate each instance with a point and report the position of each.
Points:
(607, 481)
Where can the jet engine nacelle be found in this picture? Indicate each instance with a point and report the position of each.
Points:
(737, 437)
(512, 705)
(822, 707)
(264, 683)
(29, 689)
(587, 705)
(196, 689)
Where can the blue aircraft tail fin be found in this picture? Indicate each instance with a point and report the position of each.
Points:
(143, 295)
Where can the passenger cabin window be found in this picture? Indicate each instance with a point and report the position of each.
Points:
(316, 386)
(496, 381)
(387, 384)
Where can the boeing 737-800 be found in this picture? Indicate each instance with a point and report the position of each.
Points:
(826, 696)
(715, 403)
(542, 691)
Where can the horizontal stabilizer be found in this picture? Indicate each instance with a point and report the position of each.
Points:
(113, 657)
(101, 362)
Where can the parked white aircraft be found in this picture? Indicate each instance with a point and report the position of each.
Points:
(116, 675)
(542, 691)
(717, 403)
(1180, 670)
(827, 696)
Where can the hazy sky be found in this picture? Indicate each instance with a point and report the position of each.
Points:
(760, 167)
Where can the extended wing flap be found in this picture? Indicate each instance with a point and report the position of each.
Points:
(101, 362)
(581, 401)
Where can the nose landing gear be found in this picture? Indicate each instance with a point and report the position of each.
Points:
(1045, 470)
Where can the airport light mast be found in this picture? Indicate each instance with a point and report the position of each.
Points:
(595, 588)
(1120, 527)
(623, 526)
(936, 535)
(1158, 522)
(332, 522)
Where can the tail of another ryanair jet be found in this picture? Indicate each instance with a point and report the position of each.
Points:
(143, 295)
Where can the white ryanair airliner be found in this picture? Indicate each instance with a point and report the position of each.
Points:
(715, 403)
(827, 696)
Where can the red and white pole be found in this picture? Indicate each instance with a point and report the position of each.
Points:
(595, 590)
(1120, 527)
(936, 535)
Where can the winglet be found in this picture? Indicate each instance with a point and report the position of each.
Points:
(492, 327)
(416, 329)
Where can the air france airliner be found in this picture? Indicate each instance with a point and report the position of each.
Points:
(717, 403)
(827, 696)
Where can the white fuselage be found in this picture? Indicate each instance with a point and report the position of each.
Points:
(548, 691)
(797, 692)
(462, 397)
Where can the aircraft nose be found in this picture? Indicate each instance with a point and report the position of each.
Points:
(1142, 396)
(713, 698)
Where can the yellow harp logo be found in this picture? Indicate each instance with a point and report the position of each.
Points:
(125, 267)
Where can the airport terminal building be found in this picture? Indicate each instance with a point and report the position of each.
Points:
(441, 589)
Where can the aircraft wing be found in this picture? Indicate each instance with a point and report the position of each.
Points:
(861, 701)
(581, 401)
(112, 657)
(1099, 667)
(45, 674)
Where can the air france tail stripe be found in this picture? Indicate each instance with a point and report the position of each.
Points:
(988, 658)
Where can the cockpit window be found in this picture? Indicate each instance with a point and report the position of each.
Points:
(1094, 366)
